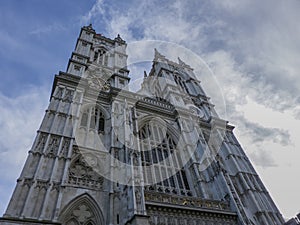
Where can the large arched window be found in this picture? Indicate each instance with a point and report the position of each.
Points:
(161, 161)
(93, 119)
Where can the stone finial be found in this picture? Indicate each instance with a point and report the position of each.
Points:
(183, 64)
(158, 55)
(119, 39)
(89, 28)
(180, 61)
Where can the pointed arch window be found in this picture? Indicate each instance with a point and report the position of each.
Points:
(93, 119)
(161, 161)
(179, 81)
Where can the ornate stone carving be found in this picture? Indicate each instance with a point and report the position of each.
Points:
(81, 174)
(41, 143)
(77, 97)
(72, 222)
(138, 199)
(28, 182)
(41, 184)
(82, 213)
(97, 79)
(82, 210)
(181, 221)
(160, 215)
(161, 220)
(59, 92)
(55, 186)
(151, 221)
(65, 148)
(53, 146)
(185, 201)
(171, 221)
(68, 97)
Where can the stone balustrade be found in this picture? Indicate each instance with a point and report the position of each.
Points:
(186, 201)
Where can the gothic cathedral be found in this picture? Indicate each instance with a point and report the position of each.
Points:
(105, 155)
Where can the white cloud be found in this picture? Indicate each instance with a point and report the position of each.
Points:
(20, 114)
(96, 10)
(266, 44)
(265, 70)
(253, 49)
(262, 158)
(19, 121)
(48, 29)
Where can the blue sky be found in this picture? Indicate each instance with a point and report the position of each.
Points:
(252, 46)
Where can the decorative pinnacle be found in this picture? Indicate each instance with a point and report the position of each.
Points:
(118, 38)
(89, 28)
(158, 55)
(181, 63)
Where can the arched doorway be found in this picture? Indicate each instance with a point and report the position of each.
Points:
(82, 210)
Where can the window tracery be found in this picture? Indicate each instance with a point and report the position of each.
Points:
(178, 80)
(82, 174)
(93, 119)
(53, 146)
(72, 222)
(82, 211)
(161, 161)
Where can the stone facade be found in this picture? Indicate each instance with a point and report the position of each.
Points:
(294, 221)
(106, 156)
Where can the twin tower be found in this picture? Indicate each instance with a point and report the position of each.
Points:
(105, 155)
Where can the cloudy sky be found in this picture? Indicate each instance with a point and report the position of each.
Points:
(252, 47)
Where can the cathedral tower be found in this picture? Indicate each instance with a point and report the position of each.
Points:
(104, 155)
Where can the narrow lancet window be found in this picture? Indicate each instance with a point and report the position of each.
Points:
(93, 119)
